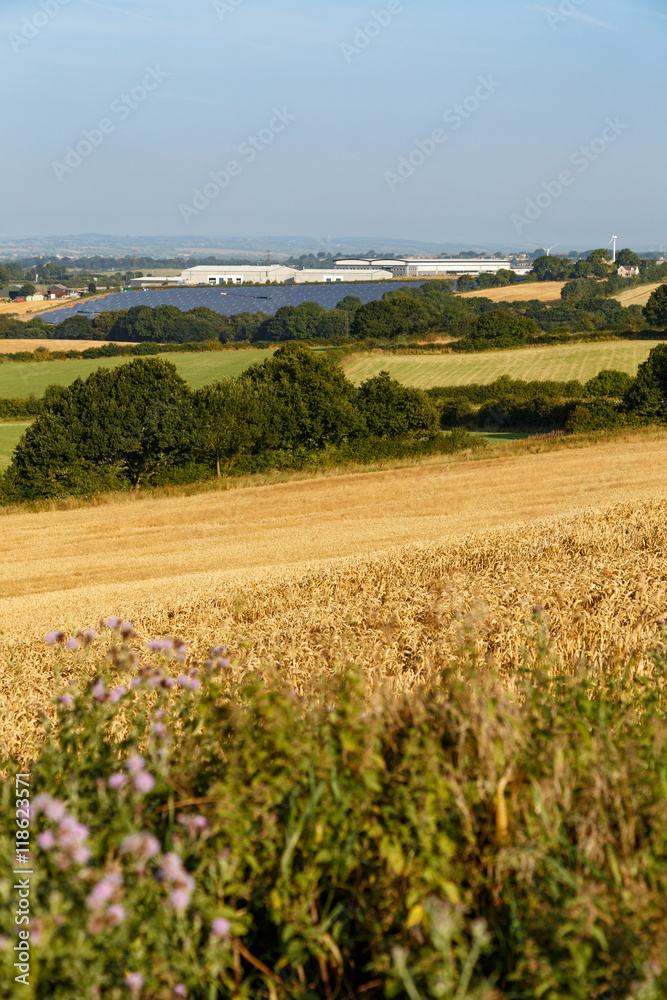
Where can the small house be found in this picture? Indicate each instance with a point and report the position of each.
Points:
(628, 271)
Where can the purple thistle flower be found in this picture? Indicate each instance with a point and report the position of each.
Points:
(144, 783)
(104, 891)
(134, 981)
(46, 840)
(180, 899)
(73, 643)
(219, 650)
(183, 681)
(116, 914)
(99, 691)
(127, 630)
(67, 700)
(160, 729)
(135, 683)
(117, 694)
(81, 854)
(116, 781)
(144, 845)
(168, 682)
(194, 684)
(53, 637)
(55, 810)
(71, 833)
(180, 992)
(112, 623)
(221, 927)
(89, 635)
(135, 764)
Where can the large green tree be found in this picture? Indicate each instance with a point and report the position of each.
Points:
(315, 405)
(655, 310)
(116, 427)
(646, 400)
(392, 317)
(236, 418)
(552, 268)
(393, 410)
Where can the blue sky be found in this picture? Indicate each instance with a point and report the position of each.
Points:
(338, 102)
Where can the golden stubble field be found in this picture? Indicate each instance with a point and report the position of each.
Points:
(17, 346)
(390, 569)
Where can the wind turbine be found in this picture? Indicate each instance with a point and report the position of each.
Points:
(549, 249)
(613, 240)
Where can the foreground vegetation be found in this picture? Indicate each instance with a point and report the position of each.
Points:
(205, 835)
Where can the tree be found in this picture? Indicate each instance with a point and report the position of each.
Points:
(236, 418)
(655, 310)
(393, 410)
(646, 400)
(315, 405)
(502, 328)
(628, 258)
(466, 282)
(92, 288)
(393, 316)
(609, 383)
(27, 289)
(114, 428)
(552, 268)
(350, 303)
(74, 328)
(580, 288)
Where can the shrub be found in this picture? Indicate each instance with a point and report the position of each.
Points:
(609, 383)
(393, 410)
(596, 415)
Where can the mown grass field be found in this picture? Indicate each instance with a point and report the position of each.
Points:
(569, 361)
(389, 568)
(19, 380)
(9, 438)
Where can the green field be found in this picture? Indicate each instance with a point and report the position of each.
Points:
(571, 361)
(9, 438)
(19, 380)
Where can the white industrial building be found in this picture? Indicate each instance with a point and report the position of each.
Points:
(424, 267)
(206, 274)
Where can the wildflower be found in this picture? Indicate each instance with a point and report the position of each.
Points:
(112, 623)
(127, 630)
(538, 609)
(219, 650)
(81, 854)
(160, 729)
(53, 637)
(193, 824)
(180, 991)
(116, 781)
(168, 682)
(117, 694)
(183, 681)
(144, 783)
(37, 928)
(134, 981)
(116, 914)
(88, 635)
(159, 715)
(67, 700)
(73, 643)
(135, 683)
(221, 927)
(71, 833)
(54, 809)
(143, 845)
(180, 899)
(194, 684)
(135, 764)
(99, 691)
(104, 891)
(46, 840)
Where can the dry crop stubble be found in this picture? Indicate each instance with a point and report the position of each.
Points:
(402, 613)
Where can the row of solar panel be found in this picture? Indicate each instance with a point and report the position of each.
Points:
(232, 301)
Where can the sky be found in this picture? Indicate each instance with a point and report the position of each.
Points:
(485, 122)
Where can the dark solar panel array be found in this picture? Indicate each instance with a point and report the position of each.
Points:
(231, 300)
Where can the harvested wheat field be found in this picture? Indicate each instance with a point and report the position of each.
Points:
(544, 291)
(387, 568)
(637, 296)
(17, 346)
